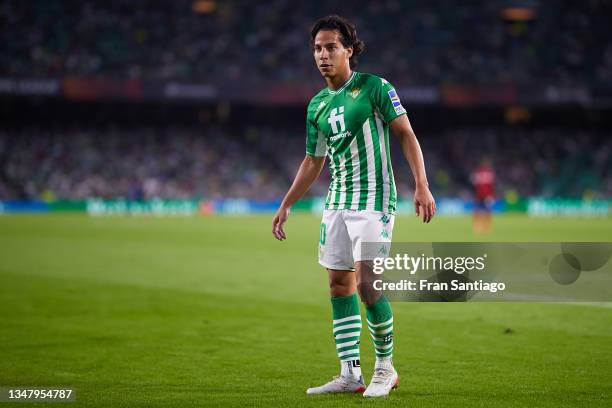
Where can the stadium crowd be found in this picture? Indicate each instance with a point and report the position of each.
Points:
(416, 42)
(218, 162)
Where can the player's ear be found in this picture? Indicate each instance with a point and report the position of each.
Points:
(349, 51)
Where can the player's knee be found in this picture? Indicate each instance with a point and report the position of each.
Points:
(340, 291)
(341, 287)
(367, 293)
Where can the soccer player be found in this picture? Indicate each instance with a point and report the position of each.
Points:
(483, 179)
(349, 122)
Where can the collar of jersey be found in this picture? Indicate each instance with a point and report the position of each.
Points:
(343, 86)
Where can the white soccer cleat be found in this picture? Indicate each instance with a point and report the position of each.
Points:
(383, 381)
(339, 384)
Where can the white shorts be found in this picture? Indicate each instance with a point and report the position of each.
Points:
(344, 231)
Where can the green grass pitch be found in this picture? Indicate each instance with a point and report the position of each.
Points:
(212, 311)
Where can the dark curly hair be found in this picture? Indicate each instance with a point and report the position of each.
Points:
(348, 35)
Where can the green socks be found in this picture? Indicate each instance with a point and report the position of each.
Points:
(380, 323)
(347, 331)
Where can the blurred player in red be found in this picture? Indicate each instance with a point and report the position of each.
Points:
(483, 179)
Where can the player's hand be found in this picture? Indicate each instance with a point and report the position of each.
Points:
(424, 203)
(277, 223)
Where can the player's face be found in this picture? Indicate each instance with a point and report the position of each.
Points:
(330, 55)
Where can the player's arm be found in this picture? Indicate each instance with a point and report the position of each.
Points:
(307, 174)
(424, 203)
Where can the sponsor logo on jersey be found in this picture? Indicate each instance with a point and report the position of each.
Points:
(336, 117)
(355, 92)
(340, 136)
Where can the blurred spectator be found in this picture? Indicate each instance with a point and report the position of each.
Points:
(250, 162)
(412, 42)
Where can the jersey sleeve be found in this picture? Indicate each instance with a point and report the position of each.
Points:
(385, 98)
(315, 140)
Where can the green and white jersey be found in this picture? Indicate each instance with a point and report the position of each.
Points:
(351, 126)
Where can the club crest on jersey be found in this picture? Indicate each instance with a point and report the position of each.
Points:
(355, 92)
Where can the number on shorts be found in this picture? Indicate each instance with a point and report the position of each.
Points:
(323, 234)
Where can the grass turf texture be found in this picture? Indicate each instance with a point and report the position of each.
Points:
(214, 312)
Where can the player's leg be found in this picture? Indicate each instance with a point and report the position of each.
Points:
(379, 318)
(346, 321)
(335, 255)
(476, 221)
(488, 215)
(483, 209)
(477, 216)
(371, 236)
